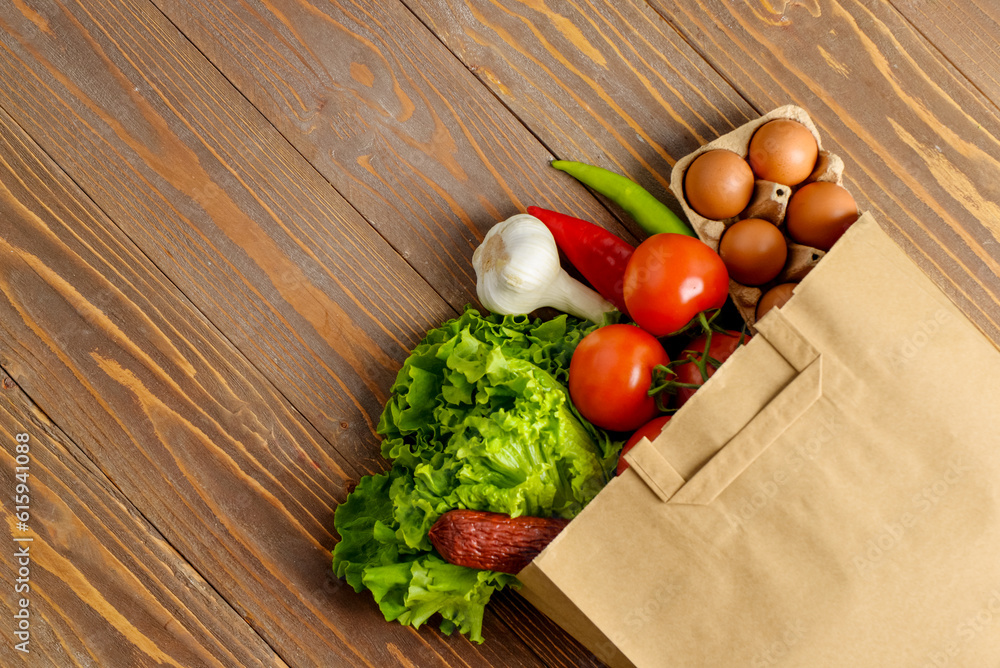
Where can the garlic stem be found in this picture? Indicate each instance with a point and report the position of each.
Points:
(569, 295)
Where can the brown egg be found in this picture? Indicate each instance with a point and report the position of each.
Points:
(783, 151)
(754, 251)
(774, 298)
(819, 213)
(718, 184)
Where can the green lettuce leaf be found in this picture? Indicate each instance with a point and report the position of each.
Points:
(478, 418)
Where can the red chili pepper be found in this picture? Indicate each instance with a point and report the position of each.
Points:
(598, 254)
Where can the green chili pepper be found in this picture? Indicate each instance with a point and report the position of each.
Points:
(652, 215)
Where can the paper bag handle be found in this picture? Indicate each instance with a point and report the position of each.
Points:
(787, 339)
(790, 403)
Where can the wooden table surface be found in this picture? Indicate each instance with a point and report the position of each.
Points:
(224, 224)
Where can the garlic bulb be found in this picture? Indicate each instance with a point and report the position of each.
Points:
(517, 271)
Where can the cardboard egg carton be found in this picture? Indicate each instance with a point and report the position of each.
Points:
(769, 202)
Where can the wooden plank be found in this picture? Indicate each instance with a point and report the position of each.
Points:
(608, 83)
(192, 434)
(966, 33)
(382, 109)
(920, 143)
(328, 75)
(236, 218)
(101, 584)
(229, 269)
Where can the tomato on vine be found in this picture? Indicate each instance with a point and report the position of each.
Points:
(610, 376)
(670, 279)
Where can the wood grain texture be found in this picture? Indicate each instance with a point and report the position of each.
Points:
(194, 436)
(279, 198)
(103, 586)
(921, 144)
(541, 634)
(966, 33)
(609, 83)
(384, 111)
(236, 218)
(501, 164)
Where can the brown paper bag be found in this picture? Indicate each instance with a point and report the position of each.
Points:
(831, 497)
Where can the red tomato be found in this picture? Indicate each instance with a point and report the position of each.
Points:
(649, 430)
(610, 374)
(723, 345)
(670, 279)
